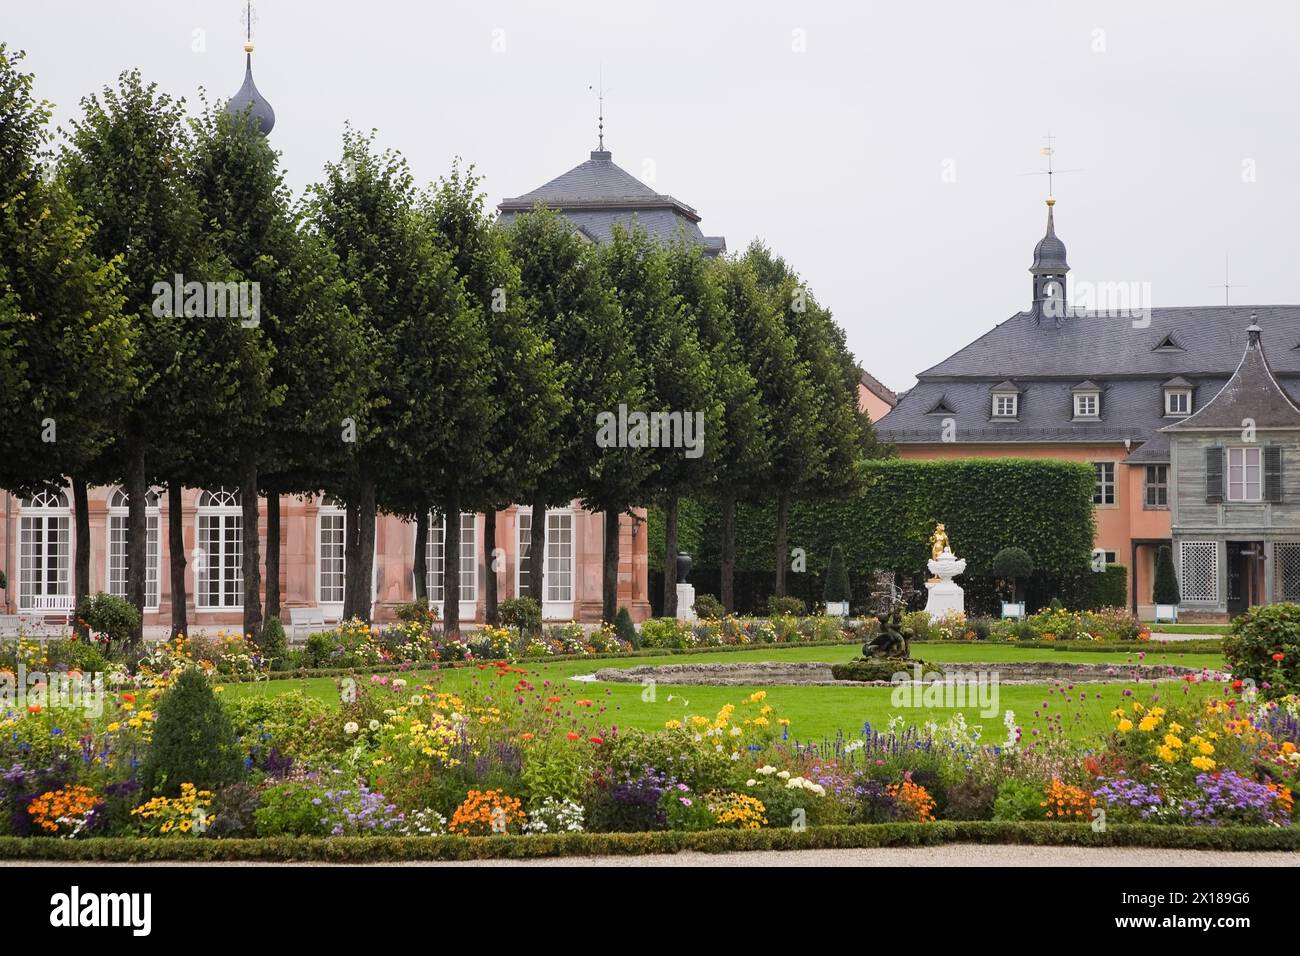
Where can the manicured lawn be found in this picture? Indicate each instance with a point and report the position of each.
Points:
(1191, 628)
(816, 713)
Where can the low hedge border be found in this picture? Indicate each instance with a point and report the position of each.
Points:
(1100, 647)
(306, 672)
(450, 848)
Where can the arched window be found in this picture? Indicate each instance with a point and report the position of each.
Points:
(218, 553)
(331, 525)
(45, 551)
(435, 552)
(117, 547)
(558, 557)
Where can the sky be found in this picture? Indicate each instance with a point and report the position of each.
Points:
(882, 148)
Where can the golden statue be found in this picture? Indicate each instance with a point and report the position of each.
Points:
(938, 541)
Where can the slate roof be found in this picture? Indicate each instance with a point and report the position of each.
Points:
(1049, 253)
(249, 94)
(598, 193)
(878, 388)
(1252, 393)
(1046, 362)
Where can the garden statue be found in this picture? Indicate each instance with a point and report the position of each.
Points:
(685, 590)
(938, 541)
(893, 638)
(945, 596)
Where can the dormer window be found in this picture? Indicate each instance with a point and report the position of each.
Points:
(1087, 400)
(1178, 401)
(1006, 400)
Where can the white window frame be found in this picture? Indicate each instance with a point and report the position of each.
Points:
(331, 512)
(1012, 407)
(1244, 468)
(1184, 395)
(1087, 404)
(1101, 483)
(222, 506)
(469, 541)
(46, 543)
(559, 600)
(115, 572)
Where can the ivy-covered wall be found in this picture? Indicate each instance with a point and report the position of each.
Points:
(986, 504)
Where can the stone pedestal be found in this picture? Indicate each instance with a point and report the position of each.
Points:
(945, 595)
(686, 602)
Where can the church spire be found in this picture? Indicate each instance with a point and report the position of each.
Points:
(249, 97)
(1048, 269)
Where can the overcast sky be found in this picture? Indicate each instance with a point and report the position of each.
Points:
(878, 146)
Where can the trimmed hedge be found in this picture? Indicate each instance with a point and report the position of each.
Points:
(1207, 646)
(859, 836)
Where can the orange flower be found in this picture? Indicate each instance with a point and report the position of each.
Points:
(596, 740)
(34, 709)
(573, 736)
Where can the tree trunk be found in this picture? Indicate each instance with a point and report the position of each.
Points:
(420, 569)
(670, 556)
(351, 552)
(537, 551)
(81, 559)
(137, 530)
(728, 558)
(176, 555)
(251, 552)
(782, 545)
(451, 565)
(363, 598)
(272, 555)
(609, 573)
(490, 577)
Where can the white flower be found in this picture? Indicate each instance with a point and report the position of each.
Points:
(736, 731)
(818, 789)
(417, 700)
(784, 774)
(390, 713)
(767, 769)
(793, 782)
(399, 682)
(374, 724)
(750, 782)
(351, 727)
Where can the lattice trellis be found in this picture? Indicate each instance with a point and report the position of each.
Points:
(1286, 571)
(1198, 576)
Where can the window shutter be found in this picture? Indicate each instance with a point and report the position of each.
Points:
(1272, 472)
(1214, 474)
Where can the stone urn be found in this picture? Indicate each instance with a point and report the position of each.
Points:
(945, 595)
(685, 591)
(683, 566)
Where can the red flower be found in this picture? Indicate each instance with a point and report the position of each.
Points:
(34, 709)
(1237, 685)
(596, 740)
(552, 700)
(583, 703)
(573, 736)
(1278, 656)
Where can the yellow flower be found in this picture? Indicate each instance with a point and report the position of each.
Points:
(1202, 763)
(218, 690)
(1125, 725)
(1172, 741)
(757, 696)
(1175, 728)
(1205, 748)
(1148, 723)
(673, 725)
(1166, 754)
(114, 727)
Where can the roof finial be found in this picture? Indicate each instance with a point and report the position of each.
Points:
(600, 116)
(249, 18)
(1253, 330)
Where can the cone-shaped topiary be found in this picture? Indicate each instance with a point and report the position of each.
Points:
(1166, 586)
(625, 629)
(193, 740)
(837, 577)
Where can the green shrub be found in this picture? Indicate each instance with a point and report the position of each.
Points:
(1108, 588)
(521, 612)
(1012, 565)
(879, 668)
(1264, 647)
(419, 611)
(275, 646)
(232, 811)
(666, 632)
(76, 654)
(709, 608)
(788, 605)
(292, 809)
(294, 723)
(625, 629)
(837, 578)
(111, 616)
(319, 649)
(193, 740)
(1018, 800)
(1166, 585)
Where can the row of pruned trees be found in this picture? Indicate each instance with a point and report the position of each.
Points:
(407, 354)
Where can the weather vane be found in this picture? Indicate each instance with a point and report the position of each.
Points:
(1049, 151)
(1227, 285)
(248, 18)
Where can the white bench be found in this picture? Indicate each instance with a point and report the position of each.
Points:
(312, 618)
